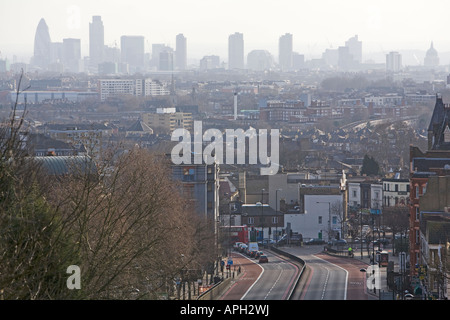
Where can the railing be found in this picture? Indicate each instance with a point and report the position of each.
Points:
(216, 291)
(340, 251)
(295, 258)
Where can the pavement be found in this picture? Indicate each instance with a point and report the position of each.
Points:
(244, 272)
(377, 290)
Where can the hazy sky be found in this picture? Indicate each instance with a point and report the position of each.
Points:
(382, 25)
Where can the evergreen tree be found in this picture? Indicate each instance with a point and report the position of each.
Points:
(370, 166)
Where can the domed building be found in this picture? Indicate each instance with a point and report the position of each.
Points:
(431, 57)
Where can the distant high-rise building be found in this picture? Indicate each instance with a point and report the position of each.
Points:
(157, 48)
(393, 61)
(285, 52)
(355, 48)
(236, 51)
(56, 52)
(431, 57)
(96, 41)
(331, 57)
(132, 52)
(209, 62)
(298, 61)
(42, 43)
(71, 55)
(166, 60)
(345, 59)
(181, 52)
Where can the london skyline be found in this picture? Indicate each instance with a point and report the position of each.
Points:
(382, 27)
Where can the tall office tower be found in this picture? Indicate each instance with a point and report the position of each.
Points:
(132, 52)
(157, 48)
(393, 61)
(181, 52)
(42, 45)
(166, 60)
(345, 59)
(285, 52)
(56, 52)
(236, 51)
(71, 55)
(298, 61)
(355, 48)
(96, 41)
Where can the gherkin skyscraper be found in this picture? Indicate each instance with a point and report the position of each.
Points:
(42, 44)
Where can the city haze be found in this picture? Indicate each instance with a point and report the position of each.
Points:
(316, 25)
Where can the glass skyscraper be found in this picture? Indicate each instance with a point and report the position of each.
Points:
(42, 45)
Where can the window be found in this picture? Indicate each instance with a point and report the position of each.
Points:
(320, 220)
(251, 220)
(188, 174)
(354, 193)
(188, 191)
(334, 219)
(274, 220)
(417, 213)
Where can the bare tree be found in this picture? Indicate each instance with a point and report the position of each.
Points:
(120, 219)
(32, 248)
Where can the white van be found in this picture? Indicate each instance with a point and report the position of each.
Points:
(253, 246)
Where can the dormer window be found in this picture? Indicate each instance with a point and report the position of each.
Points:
(447, 134)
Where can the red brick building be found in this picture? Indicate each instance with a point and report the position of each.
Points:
(434, 162)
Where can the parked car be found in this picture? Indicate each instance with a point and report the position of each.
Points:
(242, 247)
(263, 258)
(266, 242)
(340, 242)
(236, 245)
(382, 241)
(258, 254)
(359, 240)
(315, 241)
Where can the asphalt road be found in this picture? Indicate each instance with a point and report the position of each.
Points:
(329, 277)
(266, 281)
(326, 281)
(276, 280)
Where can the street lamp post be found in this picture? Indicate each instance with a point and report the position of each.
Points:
(361, 233)
(262, 215)
(276, 213)
(329, 218)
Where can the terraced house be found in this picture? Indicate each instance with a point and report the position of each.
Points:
(429, 231)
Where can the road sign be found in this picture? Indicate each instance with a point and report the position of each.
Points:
(375, 211)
